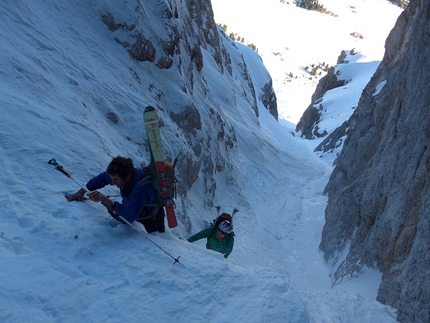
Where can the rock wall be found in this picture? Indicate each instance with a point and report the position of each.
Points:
(308, 124)
(378, 194)
(172, 39)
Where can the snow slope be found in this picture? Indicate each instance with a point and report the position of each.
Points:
(60, 73)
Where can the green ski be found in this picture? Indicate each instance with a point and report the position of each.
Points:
(152, 127)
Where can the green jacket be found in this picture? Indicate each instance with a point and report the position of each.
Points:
(212, 243)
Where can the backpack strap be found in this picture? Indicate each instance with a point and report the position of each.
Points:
(227, 238)
(221, 217)
(146, 180)
(143, 181)
(146, 213)
(213, 231)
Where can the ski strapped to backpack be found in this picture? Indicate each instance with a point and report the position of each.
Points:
(152, 177)
(152, 128)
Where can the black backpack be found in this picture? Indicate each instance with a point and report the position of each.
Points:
(153, 178)
(217, 221)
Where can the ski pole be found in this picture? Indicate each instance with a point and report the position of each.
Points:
(176, 260)
(111, 210)
(61, 169)
(218, 210)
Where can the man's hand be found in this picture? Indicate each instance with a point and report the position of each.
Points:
(78, 196)
(96, 196)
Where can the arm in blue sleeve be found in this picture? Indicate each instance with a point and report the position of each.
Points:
(132, 206)
(99, 181)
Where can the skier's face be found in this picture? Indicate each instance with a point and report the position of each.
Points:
(118, 181)
(219, 235)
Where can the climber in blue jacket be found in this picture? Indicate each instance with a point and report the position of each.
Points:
(139, 197)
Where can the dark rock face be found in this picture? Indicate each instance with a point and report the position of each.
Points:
(333, 140)
(308, 123)
(269, 99)
(186, 31)
(379, 191)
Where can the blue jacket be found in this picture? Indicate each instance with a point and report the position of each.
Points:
(134, 199)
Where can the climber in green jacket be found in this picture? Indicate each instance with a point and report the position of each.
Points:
(220, 236)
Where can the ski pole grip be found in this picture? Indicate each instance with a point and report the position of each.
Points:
(60, 168)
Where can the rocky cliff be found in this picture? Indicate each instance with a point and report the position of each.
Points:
(179, 40)
(378, 194)
(308, 124)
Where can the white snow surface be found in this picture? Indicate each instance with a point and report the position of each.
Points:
(70, 262)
